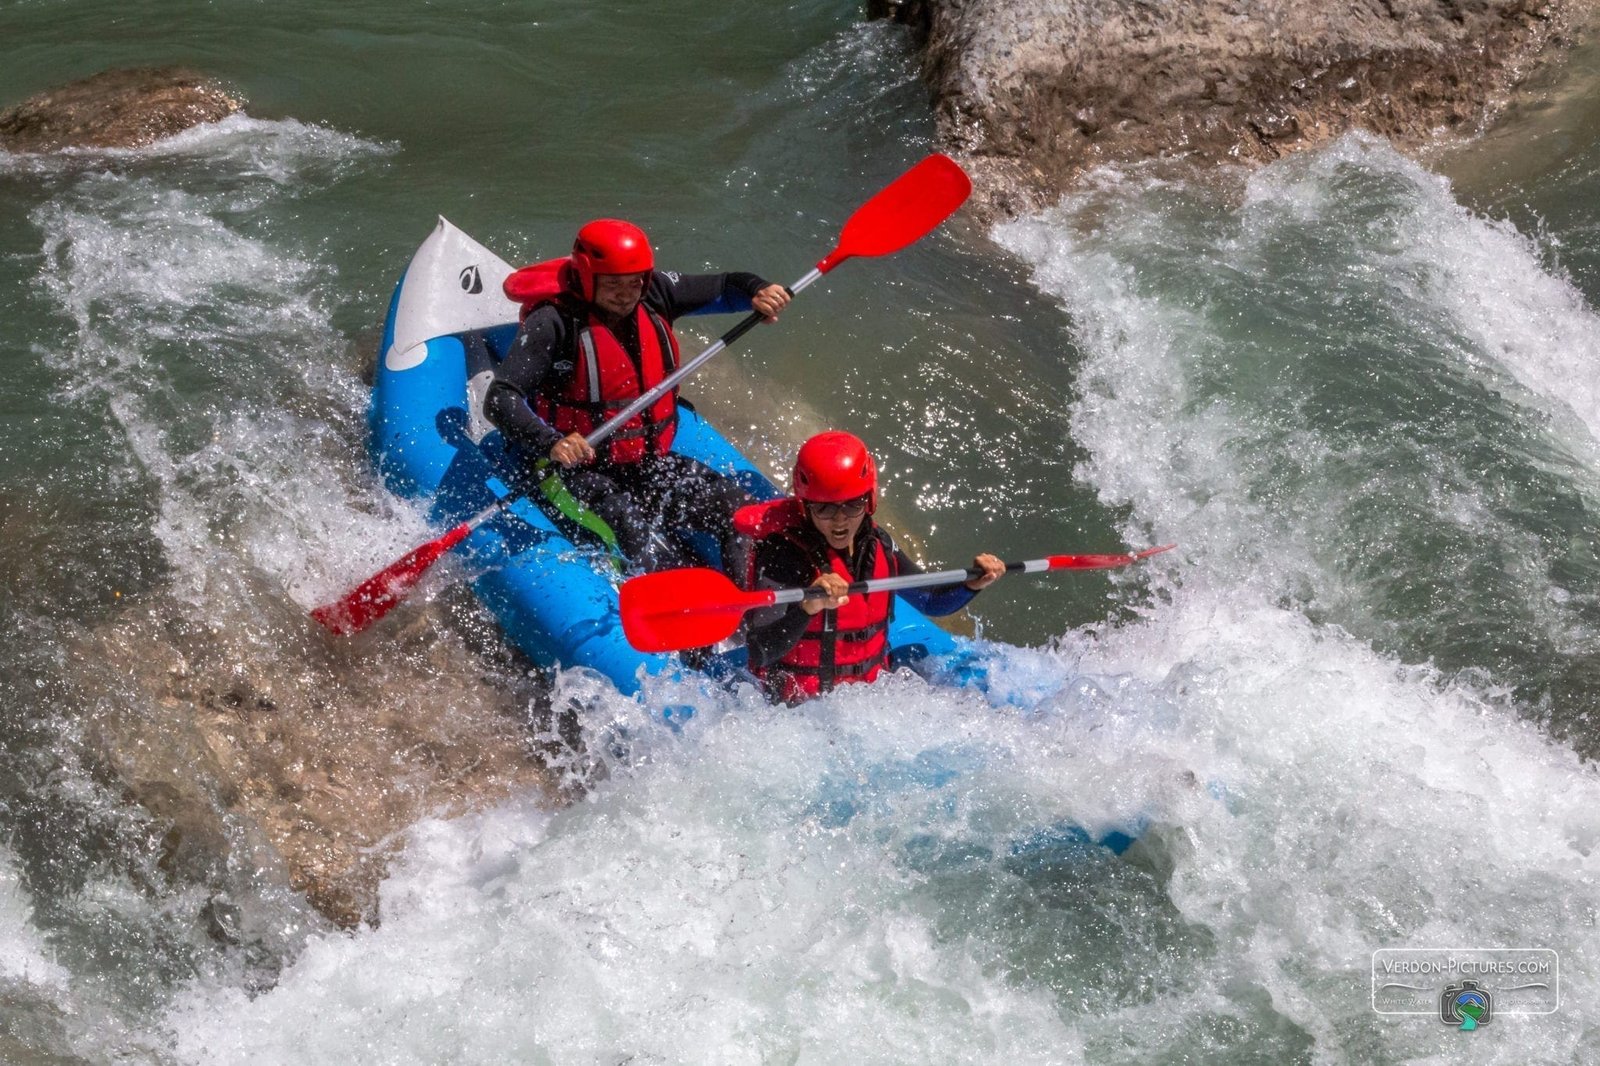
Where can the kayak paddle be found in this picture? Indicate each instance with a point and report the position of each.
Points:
(676, 609)
(905, 210)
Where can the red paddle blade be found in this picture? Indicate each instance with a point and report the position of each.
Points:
(378, 594)
(904, 211)
(677, 609)
(1102, 562)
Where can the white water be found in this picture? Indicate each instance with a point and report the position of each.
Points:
(717, 900)
(23, 956)
(283, 151)
(175, 294)
(862, 881)
(1196, 464)
(1390, 807)
(704, 907)
(709, 905)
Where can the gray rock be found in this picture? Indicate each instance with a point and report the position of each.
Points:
(115, 109)
(1032, 94)
(300, 761)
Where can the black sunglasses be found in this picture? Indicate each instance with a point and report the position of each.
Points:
(850, 509)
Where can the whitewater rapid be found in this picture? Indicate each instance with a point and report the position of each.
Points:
(880, 877)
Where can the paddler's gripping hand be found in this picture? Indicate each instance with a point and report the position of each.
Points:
(770, 300)
(993, 570)
(572, 450)
(834, 586)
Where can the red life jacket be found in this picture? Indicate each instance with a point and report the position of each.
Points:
(604, 378)
(541, 283)
(849, 644)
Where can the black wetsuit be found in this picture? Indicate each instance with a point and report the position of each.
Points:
(660, 492)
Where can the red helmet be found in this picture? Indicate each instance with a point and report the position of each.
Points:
(834, 467)
(609, 246)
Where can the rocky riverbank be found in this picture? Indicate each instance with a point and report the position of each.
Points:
(1032, 95)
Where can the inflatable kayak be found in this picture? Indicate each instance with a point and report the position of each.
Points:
(557, 600)
(448, 323)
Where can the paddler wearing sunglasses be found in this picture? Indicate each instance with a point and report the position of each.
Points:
(824, 535)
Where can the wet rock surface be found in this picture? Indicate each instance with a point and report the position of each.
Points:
(294, 759)
(115, 109)
(1033, 94)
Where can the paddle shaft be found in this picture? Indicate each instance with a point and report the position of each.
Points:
(917, 581)
(693, 608)
(650, 396)
(749, 322)
(888, 584)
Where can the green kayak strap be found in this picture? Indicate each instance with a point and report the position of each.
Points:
(568, 506)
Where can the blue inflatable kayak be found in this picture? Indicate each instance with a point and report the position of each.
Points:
(448, 323)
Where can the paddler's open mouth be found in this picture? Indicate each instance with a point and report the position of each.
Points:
(838, 536)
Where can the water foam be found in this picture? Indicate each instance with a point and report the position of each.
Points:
(1515, 315)
(1324, 387)
(201, 339)
(763, 884)
(23, 957)
(1375, 803)
(866, 880)
(1189, 405)
(283, 151)
(209, 343)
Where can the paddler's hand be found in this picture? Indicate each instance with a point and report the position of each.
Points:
(770, 300)
(993, 569)
(571, 450)
(834, 586)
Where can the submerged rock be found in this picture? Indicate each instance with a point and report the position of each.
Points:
(1033, 94)
(115, 109)
(265, 752)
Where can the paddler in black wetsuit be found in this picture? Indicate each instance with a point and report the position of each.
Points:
(600, 338)
(824, 535)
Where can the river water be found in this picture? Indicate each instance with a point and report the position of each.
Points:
(1358, 390)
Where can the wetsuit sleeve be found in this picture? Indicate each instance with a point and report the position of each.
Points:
(935, 602)
(518, 378)
(676, 295)
(771, 632)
